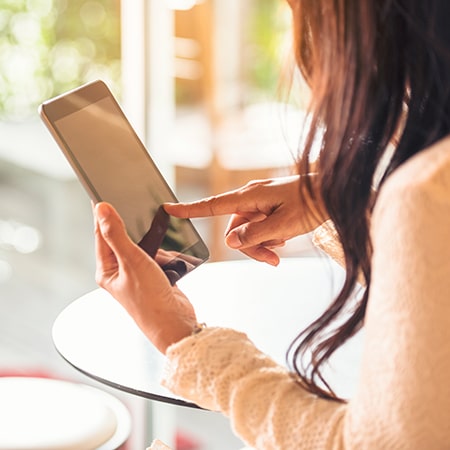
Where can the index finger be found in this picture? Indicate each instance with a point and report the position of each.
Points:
(215, 205)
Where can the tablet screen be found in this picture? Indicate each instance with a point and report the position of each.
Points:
(115, 167)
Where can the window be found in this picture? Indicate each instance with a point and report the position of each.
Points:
(46, 252)
(194, 77)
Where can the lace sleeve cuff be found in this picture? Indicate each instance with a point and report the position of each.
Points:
(202, 367)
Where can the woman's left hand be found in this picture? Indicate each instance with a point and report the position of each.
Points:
(137, 282)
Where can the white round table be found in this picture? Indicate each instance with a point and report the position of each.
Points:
(272, 305)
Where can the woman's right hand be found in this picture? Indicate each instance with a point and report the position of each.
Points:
(265, 214)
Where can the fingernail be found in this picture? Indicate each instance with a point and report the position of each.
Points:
(233, 240)
(273, 260)
(167, 206)
(102, 211)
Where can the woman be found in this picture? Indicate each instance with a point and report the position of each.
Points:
(379, 74)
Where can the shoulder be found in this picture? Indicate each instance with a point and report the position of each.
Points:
(420, 184)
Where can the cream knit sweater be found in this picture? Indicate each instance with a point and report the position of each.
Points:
(402, 400)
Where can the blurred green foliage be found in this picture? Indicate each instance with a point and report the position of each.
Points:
(266, 34)
(50, 46)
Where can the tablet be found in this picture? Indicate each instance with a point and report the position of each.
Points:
(114, 166)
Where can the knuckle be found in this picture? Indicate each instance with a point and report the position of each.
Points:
(107, 232)
(212, 204)
(246, 236)
(209, 205)
(252, 184)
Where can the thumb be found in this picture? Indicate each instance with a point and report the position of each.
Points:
(113, 231)
(250, 233)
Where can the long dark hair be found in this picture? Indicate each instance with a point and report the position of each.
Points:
(378, 70)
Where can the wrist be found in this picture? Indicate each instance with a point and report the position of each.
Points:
(198, 328)
(310, 193)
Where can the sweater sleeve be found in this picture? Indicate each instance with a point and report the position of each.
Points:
(326, 238)
(402, 400)
(264, 402)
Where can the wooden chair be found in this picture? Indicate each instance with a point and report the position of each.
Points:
(254, 143)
